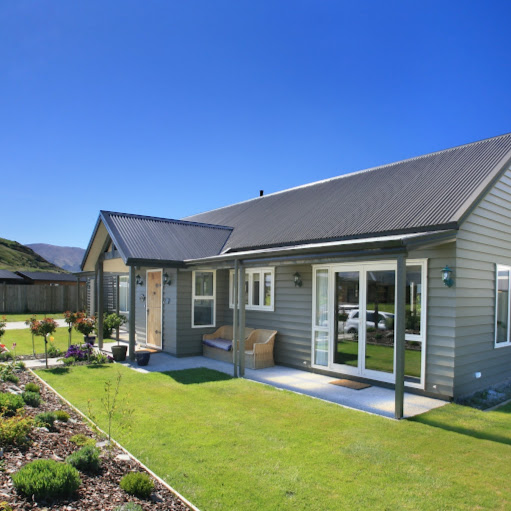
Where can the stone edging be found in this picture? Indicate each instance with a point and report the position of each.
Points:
(159, 479)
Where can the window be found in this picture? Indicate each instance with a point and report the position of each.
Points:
(203, 298)
(502, 307)
(124, 294)
(259, 289)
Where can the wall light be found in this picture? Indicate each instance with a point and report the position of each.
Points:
(166, 279)
(447, 276)
(138, 280)
(298, 280)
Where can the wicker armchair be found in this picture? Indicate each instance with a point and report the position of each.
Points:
(259, 349)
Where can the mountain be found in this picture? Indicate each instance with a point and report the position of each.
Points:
(17, 257)
(68, 258)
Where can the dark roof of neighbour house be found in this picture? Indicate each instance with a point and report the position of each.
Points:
(9, 275)
(425, 193)
(140, 238)
(47, 276)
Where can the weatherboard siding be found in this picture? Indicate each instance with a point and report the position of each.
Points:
(483, 241)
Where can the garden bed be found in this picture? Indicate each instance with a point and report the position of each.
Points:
(96, 492)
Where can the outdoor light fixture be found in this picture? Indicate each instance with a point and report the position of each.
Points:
(138, 280)
(447, 276)
(166, 279)
(142, 298)
(298, 279)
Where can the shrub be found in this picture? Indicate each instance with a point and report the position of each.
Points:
(20, 365)
(45, 479)
(85, 459)
(45, 420)
(138, 484)
(69, 361)
(31, 398)
(53, 351)
(14, 430)
(101, 358)
(111, 322)
(12, 378)
(61, 415)
(129, 506)
(9, 403)
(79, 351)
(32, 387)
(6, 356)
(80, 440)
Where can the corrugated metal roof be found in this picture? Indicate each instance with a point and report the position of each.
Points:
(166, 240)
(9, 275)
(46, 275)
(427, 192)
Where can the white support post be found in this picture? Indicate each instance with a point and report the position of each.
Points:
(400, 335)
(101, 304)
(235, 321)
(131, 343)
(241, 285)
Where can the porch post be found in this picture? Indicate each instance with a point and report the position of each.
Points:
(235, 336)
(241, 284)
(77, 293)
(131, 344)
(101, 304)
(400, 335)
(117, 286)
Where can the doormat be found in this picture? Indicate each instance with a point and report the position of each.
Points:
(355, 385)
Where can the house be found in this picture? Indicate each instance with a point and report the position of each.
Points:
(9, 277)
(48, 278)
(420, 249)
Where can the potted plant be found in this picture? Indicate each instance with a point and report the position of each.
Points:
(114, 322)
(86, 326)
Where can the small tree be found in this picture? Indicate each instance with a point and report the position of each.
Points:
(31, 325)
(44, 328)
(85, 325)
(71, 318)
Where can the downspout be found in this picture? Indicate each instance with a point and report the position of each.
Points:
(235, 321)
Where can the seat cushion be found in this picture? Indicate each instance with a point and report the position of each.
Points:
(223, 344)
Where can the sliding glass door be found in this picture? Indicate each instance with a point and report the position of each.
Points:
(354, 316)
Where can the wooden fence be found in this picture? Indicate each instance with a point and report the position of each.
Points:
(20, 299)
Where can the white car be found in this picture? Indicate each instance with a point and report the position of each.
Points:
(351, 324)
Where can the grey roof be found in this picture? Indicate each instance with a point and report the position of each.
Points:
(143, 238)
(9, 275)
(47, 275)
(428, 192)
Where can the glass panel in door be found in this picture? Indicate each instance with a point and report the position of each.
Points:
(346, 326)
(380, 308)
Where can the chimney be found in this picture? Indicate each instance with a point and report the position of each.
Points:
(261, 193)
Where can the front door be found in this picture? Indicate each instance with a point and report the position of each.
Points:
(154, 318)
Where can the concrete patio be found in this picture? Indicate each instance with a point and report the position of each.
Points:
(375, 400)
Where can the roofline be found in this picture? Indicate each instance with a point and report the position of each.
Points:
(349, 174)
(396, 241)
(91, 240)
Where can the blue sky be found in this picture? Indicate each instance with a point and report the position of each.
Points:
(169, 108)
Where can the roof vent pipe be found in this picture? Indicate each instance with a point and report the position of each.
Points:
(261, 193)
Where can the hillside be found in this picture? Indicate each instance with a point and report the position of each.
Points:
(68, 258)
(14, 257)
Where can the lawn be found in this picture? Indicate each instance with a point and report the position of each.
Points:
(23, 340)
(233, 444)
(27, 315)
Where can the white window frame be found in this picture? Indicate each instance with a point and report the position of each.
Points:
(362, 267)
(125, 278)
(203, 297)
(502, 267)
(249, 272)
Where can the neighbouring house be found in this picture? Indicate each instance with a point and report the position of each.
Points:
(9, 277)
(49, 278)
(410, 259)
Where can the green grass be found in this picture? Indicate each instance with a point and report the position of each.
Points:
(232, 444)
(23, 340)
(378, 357)
(24, 317)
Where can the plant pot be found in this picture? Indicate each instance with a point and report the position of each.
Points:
(119, 353)
(89, 339)
(142, 357)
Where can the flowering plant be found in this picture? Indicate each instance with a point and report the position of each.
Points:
(2, 326)
(85, 325)
(44, 327)
(79, 352)
(72, 317)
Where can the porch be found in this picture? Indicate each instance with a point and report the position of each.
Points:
(373, 399)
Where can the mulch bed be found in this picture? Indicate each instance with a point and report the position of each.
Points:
(100, 492)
